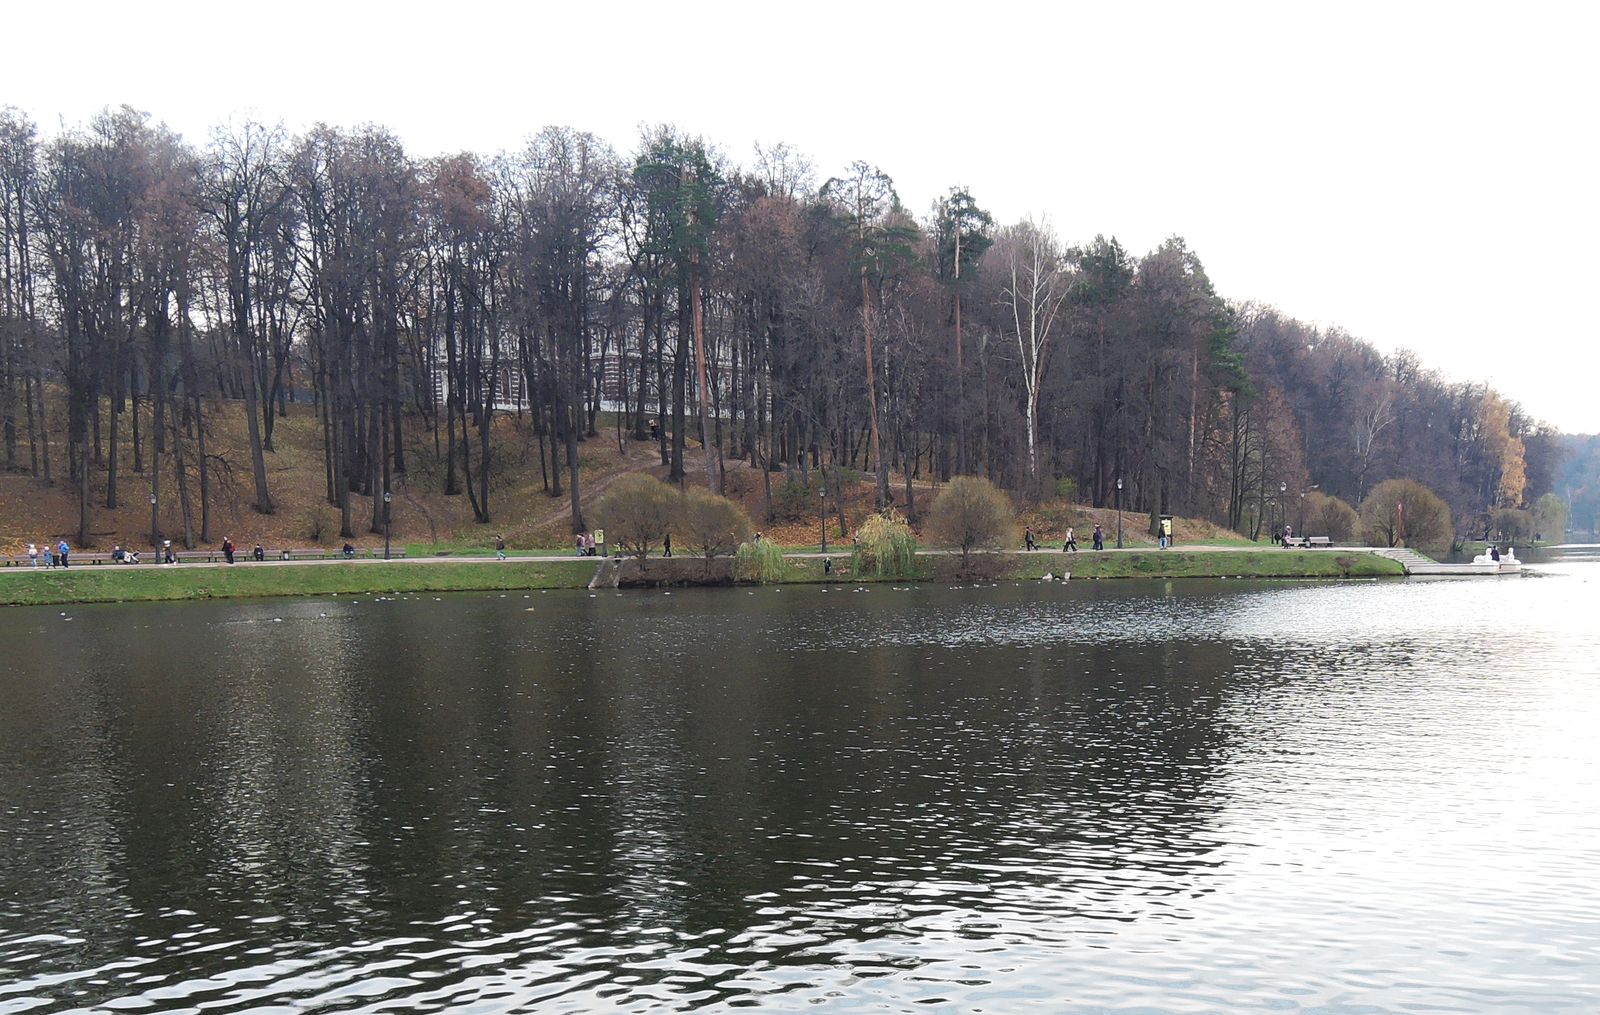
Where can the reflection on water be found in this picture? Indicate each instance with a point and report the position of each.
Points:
(1144, 796)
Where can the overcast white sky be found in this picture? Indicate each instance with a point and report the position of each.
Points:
(1422, 174)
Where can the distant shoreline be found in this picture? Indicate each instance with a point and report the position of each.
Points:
(23, 586)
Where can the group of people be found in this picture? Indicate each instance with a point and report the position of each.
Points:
(60, 554)
(57, 555)
(587, 543)
(1069, 544)
(259, 552)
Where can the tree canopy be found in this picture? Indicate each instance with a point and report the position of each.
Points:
(741, 312)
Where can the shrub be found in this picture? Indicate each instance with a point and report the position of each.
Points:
(638, 511)
(794, 501)
(760, 562)
(1512, 525)
(886, 547)
(709, 523)
(317, 524)
(1426, 517)
(971, 513)
(1550, 517)
(1323, 515)
(736, 483)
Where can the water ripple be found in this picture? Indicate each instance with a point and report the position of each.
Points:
(1137, 797)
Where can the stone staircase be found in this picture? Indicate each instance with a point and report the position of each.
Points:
(1420, 563)
(608, 575)
(1409, 559)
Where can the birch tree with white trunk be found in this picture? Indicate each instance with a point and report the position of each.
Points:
(1034, 292)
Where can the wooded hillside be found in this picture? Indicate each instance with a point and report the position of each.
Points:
(767, 313)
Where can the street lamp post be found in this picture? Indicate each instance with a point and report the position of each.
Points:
(822, 515)
(155, 522)
(387, 498)
(1119, 512)
(1283, 488)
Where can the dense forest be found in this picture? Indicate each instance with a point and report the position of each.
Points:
(1579, 482)
(810, 326)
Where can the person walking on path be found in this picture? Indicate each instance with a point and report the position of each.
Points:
(1028, 540)
(33, 553)
(1071, 542)
(499, 547)
(580, 544)
(666, 545)
(227, 549)
(1099, 538)
(588, 545)
(50, 555)
(1166, 533)
(65, 551)
(167, 556)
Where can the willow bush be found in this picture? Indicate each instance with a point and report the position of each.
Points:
(885, 547)
(760, 562)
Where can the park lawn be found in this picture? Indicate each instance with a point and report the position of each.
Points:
(102, 585)
(94, 584)
(1210, 564)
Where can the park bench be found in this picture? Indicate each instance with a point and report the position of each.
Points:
(1301, 541)
(361, 553)
(1319, 542)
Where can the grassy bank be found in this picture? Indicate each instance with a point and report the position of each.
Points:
(109, 585)
(1232, 564)
(1137, 564)
(106, 585)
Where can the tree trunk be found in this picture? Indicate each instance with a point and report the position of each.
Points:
(872, 390)
(205, 471)
(698, 315)
(258, 460)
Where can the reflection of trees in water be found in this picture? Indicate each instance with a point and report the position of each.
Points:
(60, 876)
(598, 787)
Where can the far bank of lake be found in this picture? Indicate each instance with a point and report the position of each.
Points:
(153, 583)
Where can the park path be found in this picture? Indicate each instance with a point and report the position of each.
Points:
(551, 558)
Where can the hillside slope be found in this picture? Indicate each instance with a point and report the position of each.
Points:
(521, 507)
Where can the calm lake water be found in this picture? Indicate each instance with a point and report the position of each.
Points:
(1136, 797)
